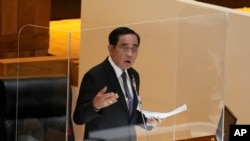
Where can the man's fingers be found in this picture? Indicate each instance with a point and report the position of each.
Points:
(113, 99)
(102, 91)
(110, 98)
(154, 121)
(104, 99)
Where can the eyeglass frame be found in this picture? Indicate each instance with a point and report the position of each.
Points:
(124, 48)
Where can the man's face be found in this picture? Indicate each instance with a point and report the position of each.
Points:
(125, 52)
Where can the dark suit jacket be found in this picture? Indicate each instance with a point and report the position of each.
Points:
(113, 122)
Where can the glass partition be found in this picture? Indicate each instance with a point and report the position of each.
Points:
(200, 81)
(44, 78)
(181, 63)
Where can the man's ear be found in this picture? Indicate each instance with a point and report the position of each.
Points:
(110, 47)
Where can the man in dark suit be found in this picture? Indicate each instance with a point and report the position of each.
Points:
(107, 103)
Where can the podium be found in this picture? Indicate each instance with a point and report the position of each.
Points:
(203, 138)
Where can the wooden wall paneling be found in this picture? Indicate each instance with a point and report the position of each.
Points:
(14, 15)
(42, 12)
(8, 17)
(26, 14)
(42, 18)
(65, 9)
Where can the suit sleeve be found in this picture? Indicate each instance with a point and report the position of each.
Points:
(84, 110)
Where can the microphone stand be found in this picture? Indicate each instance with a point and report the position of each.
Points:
(140, 106)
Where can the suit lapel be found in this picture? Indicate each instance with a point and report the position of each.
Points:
(115, 85)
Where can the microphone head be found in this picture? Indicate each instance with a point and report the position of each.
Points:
(133, 81)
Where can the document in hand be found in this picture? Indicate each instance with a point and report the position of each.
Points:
(149, 114)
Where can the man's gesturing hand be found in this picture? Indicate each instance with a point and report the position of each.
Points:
(103, 99)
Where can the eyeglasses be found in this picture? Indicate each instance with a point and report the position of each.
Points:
(126, 49)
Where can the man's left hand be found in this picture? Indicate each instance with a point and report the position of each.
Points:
(154, 121)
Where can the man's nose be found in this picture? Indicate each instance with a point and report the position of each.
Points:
(129, 52)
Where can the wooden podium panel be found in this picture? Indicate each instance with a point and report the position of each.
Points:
(40, 66)
(203, 138)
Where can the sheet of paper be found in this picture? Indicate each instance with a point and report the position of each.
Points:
(180, 109)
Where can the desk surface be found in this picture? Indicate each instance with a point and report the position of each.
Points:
(204, 138)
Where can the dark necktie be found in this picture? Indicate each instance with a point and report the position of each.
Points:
(129, 96)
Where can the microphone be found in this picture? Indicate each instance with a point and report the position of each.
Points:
(135, 88)
(140, 106)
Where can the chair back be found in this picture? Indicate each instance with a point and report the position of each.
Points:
(35, 108)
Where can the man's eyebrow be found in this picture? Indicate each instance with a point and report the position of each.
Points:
(135, 45)
(125, 44)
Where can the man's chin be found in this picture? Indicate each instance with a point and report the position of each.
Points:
(127, 67)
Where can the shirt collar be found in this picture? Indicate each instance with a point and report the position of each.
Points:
(118, 70)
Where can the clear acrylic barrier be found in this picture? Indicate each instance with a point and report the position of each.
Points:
(180, 61)
(200, 81)
(44, 79)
